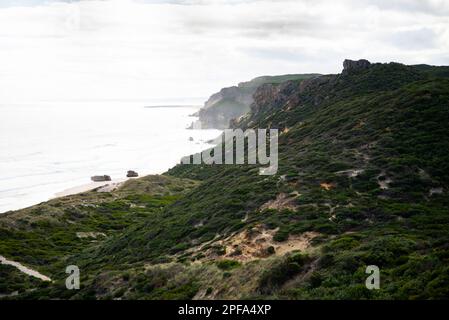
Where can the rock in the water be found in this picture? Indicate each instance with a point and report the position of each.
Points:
(100, 178)
(351, 65)
(132, 174)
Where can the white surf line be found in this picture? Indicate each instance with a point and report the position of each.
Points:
(24, 269)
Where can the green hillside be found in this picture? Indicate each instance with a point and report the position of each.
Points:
(362, 180)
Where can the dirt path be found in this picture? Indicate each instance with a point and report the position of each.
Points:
(24, 269)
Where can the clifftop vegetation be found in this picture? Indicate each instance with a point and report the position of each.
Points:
(362, 180)
(233, 102)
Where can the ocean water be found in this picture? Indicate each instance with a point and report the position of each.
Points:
(49, 147)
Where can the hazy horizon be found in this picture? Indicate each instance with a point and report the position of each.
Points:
(141, 49)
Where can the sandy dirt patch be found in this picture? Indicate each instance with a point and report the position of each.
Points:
(256, 243)
(327, 186)
(282, 201)
(94, 235)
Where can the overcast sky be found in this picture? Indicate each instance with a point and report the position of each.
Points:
(155, 49)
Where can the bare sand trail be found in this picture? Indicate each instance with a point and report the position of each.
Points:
(24, 269)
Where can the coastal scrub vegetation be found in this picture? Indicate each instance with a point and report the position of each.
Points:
(362, 180)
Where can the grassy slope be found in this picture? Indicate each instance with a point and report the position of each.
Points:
(389, 121)
(12, 281)
(43, 236)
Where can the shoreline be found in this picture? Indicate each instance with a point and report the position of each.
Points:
(47, 179)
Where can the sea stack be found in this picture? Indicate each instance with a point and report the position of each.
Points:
(100, 178)
(132, 174)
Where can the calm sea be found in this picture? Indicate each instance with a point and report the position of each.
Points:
(48, 147)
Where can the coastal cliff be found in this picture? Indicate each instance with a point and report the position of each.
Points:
(233, 102)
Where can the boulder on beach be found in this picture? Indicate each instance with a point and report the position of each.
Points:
(132, 174)
(100, 178)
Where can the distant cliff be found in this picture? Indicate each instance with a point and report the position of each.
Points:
(233, 102)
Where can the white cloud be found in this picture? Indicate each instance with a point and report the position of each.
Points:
(144, 49)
